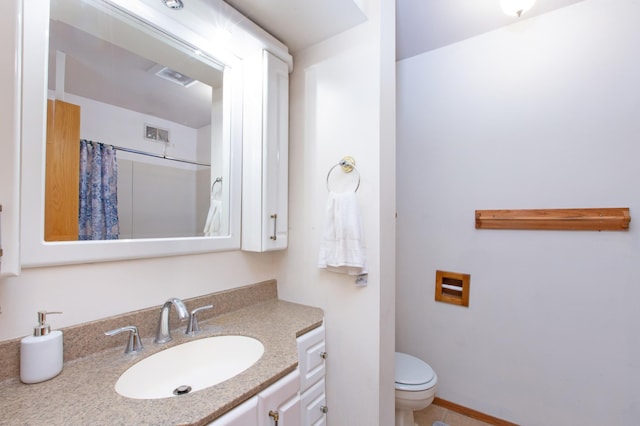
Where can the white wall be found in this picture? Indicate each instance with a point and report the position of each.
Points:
(92, 291)
(101, 122)
(342, 103)
(541, 114)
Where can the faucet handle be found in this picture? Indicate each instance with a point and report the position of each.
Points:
(192, 327)
(134, 344)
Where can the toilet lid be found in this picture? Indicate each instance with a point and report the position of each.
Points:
(411, 370)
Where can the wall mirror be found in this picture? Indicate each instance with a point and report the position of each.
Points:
(104, 81)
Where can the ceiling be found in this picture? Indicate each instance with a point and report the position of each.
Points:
(125, 60)
(421, 25)
(300, 24)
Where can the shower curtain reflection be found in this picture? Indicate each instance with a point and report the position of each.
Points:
(98, 210)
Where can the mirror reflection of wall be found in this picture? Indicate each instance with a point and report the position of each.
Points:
(121, 94)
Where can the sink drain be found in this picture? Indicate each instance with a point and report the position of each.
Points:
(181, 390)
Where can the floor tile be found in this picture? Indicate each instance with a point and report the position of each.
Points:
(434, 413)
(455, 419)
(429, 415)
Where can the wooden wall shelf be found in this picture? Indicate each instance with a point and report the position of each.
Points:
(605, 219)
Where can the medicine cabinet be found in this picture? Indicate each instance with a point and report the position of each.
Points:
(265, 172)
(253, 139)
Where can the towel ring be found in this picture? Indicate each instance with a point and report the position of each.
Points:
(348, 164)
(213, 185)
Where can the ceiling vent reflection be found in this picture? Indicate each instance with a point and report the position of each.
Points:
(175, 77)
(173, 4)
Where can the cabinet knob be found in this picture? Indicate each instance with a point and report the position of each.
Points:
(324, 409)
(275, 416)
(323, 355)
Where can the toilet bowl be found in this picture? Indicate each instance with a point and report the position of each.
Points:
(415, 385)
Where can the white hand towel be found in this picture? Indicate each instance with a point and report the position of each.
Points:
(342, 247)
(212, 225)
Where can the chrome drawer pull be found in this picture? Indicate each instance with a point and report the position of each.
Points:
(275, 221)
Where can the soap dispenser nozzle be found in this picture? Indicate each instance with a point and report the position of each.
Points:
(42, 329)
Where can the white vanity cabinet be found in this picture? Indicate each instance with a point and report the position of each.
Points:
(265, 180)
(298, 399)
(311, 362)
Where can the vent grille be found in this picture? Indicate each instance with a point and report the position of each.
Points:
(175, 77)
(156, 134)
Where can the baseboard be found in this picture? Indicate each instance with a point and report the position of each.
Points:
(471, 413)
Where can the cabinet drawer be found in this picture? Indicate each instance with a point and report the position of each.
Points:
(311, 357)
(313, 405)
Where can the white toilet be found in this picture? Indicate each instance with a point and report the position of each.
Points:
(415, 387)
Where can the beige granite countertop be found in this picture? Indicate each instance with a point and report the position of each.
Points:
(83, 394)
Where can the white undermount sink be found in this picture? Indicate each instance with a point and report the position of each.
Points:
(189, 367)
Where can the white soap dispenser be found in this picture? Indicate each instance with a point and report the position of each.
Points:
(41, 354)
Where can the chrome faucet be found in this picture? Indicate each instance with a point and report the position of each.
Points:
(134, 344)
(163, 335)
(193, 327)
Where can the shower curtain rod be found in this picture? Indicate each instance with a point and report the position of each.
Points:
(164, 157)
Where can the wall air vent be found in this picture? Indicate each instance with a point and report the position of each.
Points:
(156, 134)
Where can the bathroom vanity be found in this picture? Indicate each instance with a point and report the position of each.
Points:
(297, 399)
(287, 381)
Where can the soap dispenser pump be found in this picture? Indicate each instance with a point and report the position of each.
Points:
(41, 354)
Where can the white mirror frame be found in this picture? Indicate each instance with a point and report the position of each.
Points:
(37, 252)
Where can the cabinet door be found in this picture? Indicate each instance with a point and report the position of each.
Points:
(265, 170)
(311, 357)
(244, 414)
(10, 125)
(313, 406)
(276, 152)
(281, 402)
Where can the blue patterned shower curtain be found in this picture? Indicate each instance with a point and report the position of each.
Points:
(98, 213)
